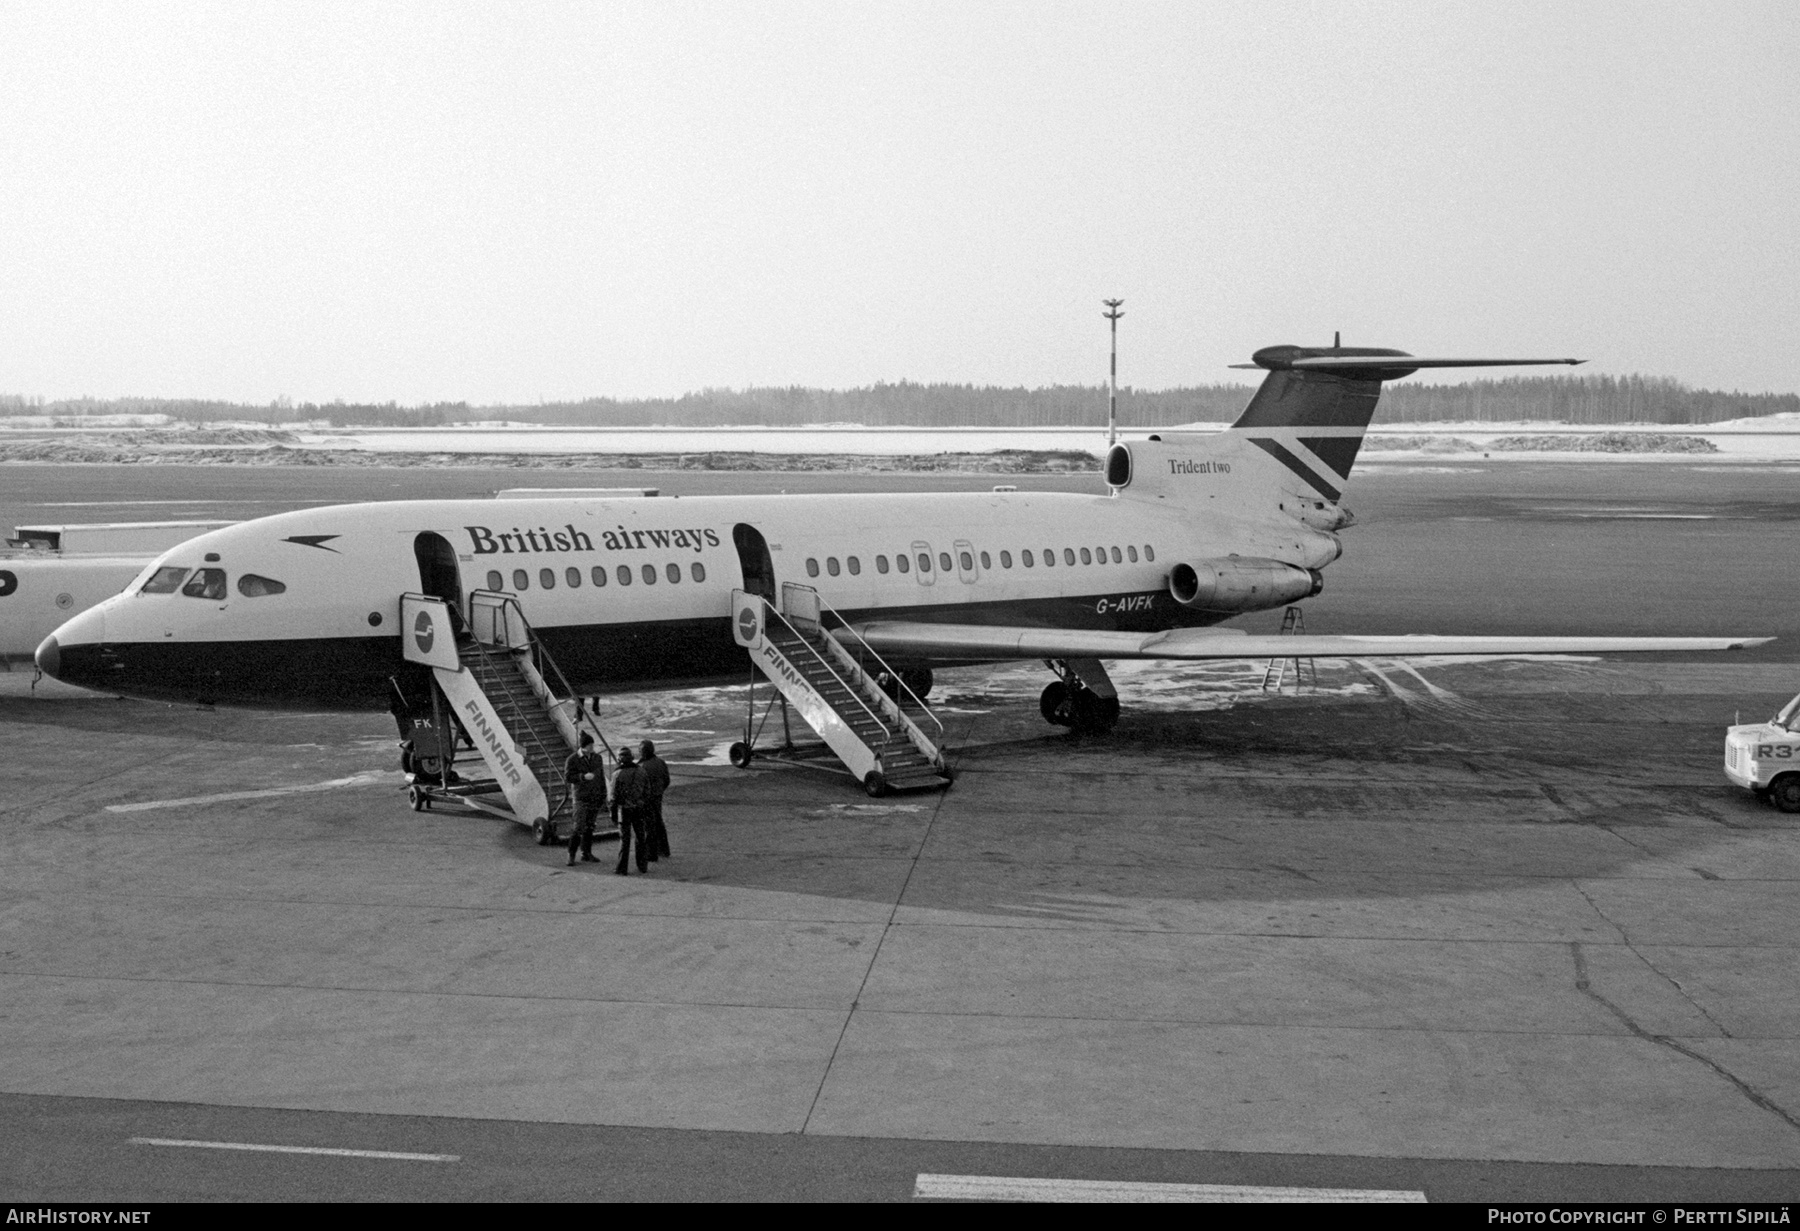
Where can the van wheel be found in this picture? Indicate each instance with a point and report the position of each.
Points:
(740, 754)
(1785, 791)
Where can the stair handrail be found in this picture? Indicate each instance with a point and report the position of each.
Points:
(544, 659)
(826, 609)
(856, 693)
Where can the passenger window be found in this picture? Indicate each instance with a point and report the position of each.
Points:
(968, 561)
(547, 578)
(1049, 557)
(831, 565)
(521, 582)
(598, 574)
(944, 561)
(624, 574)
(1006, 559)
(573, 577)
(1132, 553)
(903, 563)
(812, 567)
(925, 562)
(674, 573)
(252, 586)
(1149, 552)
(206, 583)
(649, 574)
(495, 580)
(1068, 555)
(1025, 557)
(987, 561)
(854, 565)
(1116, 559)
(1085, 557)
(697, 570)
(164, 581)
(881, 563)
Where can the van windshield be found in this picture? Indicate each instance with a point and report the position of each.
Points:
(1789, 713)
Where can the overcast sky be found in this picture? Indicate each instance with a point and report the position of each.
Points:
(494, 202)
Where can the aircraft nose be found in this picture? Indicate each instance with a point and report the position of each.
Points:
(49, 657)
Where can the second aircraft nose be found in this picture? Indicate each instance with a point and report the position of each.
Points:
(49, 657)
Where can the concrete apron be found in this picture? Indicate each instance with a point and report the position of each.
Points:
(1519, 917)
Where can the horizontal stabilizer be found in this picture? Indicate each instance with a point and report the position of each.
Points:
(988, 643)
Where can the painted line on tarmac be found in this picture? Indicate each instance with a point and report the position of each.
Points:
(273, 1149)
(354, 780)
(1018, 1188)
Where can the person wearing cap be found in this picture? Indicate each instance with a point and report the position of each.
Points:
(585, 772)
(656, 781)
(628, 810)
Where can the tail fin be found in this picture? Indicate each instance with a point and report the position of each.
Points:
(1295, 444)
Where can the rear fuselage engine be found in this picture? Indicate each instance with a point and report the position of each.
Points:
(1239, 584)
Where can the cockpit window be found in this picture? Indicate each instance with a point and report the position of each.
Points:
(206, 583)
(164, 580)
(252, 586)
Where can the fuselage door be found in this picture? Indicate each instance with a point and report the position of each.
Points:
(965, 561)
(924, 564)
(754, 558)
(439, 575)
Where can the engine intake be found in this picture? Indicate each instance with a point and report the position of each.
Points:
(1236, 584)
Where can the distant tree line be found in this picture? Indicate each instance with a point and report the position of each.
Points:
(1568, 399)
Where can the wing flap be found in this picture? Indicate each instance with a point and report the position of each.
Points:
(988, 643)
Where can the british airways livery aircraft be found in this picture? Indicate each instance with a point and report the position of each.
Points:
(305, 609)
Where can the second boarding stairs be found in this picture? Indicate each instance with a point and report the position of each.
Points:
(495, 676)
(837, 689)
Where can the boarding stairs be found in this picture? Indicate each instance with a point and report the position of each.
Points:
(833, 679)
(1293, 621)
(496, 677)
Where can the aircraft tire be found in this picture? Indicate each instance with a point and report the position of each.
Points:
(874, 784)
(1054, 705)
(740, 754)
(1785, 791)
(919, 680)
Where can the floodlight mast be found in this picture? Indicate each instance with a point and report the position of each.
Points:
(1113, 314)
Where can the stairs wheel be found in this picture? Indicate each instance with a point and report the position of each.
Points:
(416, 798)
(740, 754)
(874, 784)
(541, 830)
(1054, 705)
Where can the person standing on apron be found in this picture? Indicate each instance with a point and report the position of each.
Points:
(585, 772)
(656, 782)
(628, 809)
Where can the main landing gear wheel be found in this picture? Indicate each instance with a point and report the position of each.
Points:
(1785, 793)
(874, 784)
(740, 754)
(541, 830)
(1078, 709)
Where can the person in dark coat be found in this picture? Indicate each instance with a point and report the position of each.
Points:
(585, 772)
(628, 810)
(656, 782)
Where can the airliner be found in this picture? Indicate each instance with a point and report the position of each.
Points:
(301, 609)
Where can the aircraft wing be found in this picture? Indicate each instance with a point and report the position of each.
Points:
(988, 643)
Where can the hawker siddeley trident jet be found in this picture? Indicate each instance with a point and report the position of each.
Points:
(843, 601)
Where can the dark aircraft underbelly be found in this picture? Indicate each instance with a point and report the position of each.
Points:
(354, 673)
